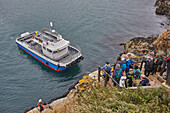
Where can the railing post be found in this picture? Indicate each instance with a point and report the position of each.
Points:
(99, 73)
(106, 75)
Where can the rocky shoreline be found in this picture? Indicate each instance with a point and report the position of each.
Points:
(163, 7)
(150, 45)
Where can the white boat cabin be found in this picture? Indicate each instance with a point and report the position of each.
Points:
(52, 45)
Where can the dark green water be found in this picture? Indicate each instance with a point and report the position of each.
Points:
(96, 26)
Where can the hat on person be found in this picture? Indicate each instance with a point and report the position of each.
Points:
(107, 62)
(130, 69)
(40, 100)
(117, 65)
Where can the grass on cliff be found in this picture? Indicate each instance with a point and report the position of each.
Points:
(102, 99)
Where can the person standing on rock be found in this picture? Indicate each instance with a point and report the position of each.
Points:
(137, 72)
(107, 68)
(148, 66)
(129, 63)
(130, 78)
(117, 74)
(40, 105)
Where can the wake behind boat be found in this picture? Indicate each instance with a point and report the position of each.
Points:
(49, 48)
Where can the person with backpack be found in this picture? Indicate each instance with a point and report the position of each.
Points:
(40, 105)
(123, 67)
(148, 66)
(144, 81)
(137, 72)
(107, 68)
(129, 63)
(117, 74)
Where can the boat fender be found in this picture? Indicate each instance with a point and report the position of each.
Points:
(44, 30)
(78, 60)
(82, 58)
(47, 63)
(40, 40)
(58, 66)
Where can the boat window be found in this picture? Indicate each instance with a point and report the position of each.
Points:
(49, 50)
(61, 50)
(44, 48)
(55, 51)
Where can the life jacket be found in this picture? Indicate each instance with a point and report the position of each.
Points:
(41, 106)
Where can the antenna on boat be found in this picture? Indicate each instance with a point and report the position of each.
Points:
(51, 27)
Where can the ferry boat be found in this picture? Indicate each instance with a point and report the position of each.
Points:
(50, 48)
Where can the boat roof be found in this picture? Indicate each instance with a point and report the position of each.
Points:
(58, 45)
(51, 41)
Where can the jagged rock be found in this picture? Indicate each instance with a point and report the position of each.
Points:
(142, 46)
(163, 7)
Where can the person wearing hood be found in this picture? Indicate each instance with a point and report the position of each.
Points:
(117, 74)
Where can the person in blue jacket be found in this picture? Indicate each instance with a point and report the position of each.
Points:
(107, 68)
(129, 63)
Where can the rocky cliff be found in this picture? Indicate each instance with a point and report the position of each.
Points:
(163, 7)
(162, 43)
(150, 45)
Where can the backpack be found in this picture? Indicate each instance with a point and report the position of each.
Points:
(118, 73)
(159, 62)
(123, 66)
(108, 69)
(149, 65)
(136, 74)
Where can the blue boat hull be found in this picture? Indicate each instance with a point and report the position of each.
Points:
(45, 62)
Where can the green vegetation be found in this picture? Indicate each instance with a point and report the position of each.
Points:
(107, 100)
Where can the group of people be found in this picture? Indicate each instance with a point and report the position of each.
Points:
(151, 65)
(125, 73)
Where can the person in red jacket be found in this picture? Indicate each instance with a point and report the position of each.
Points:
(40, 105)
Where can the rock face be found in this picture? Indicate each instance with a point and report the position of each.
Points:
(163, 43)
(163, 7)
(141, 46)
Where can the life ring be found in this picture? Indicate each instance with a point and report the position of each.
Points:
(44, 30)
(40, 40)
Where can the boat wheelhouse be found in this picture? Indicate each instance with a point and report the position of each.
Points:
(50, 48)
